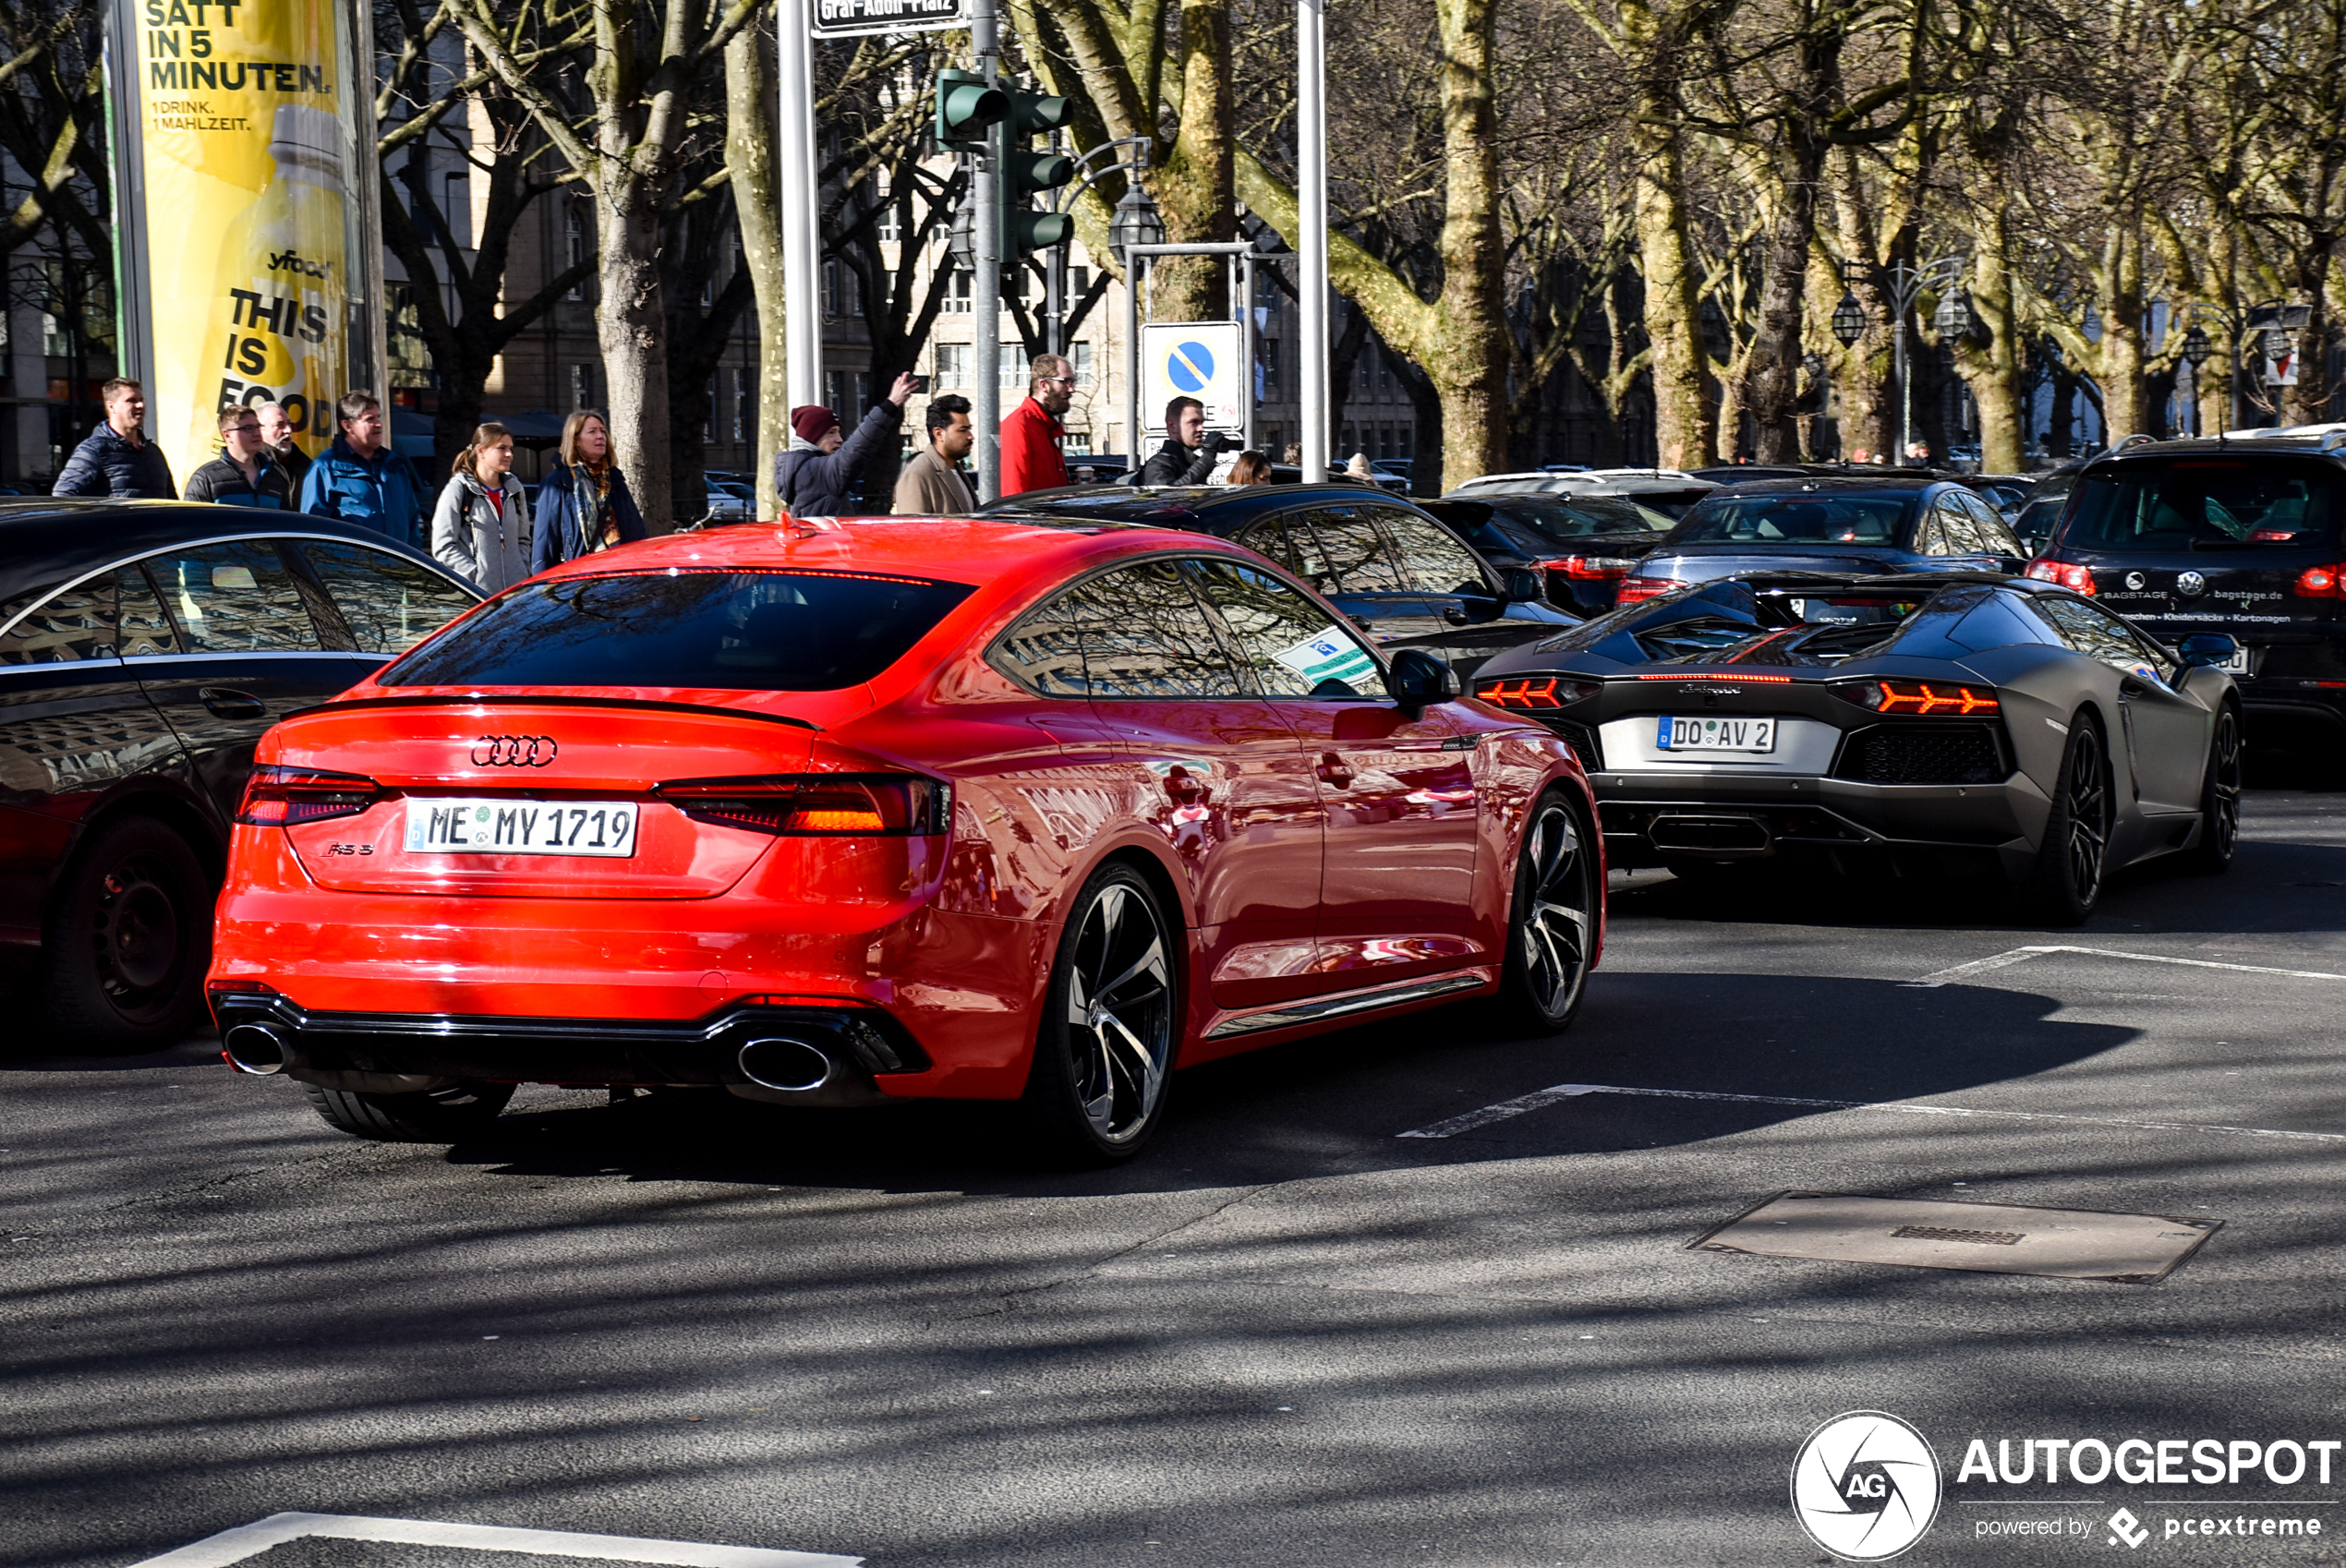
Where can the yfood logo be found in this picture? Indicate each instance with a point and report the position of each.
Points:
(291, 261)
(1865, 1485)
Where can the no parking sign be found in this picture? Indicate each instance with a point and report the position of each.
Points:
(1205, 360)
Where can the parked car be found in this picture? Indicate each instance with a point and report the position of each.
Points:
(144, 648)
(1582, 545)
(2242, 538)
(1932, 717)
(729, 503)
(1398, 574)
(874, 810)
(1858, 524)
(1664, 490)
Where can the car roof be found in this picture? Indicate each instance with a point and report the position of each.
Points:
(1892, 483)
(2325, 445)
(47, 541)
(1199, 506)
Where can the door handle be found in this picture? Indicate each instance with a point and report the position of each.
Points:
(226, 702)
(1333, 771)
(2131, 688)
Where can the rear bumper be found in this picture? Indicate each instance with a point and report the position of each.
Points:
(828, 1057)
(1652, 818)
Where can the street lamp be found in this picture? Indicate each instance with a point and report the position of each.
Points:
(1136, 222)
(1905, 284)
(1954, 319)
(1849, 319)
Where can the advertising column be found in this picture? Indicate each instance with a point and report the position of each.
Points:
(243, 180)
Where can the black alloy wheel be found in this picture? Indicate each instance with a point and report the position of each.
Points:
(128, 939)
(1104, 1054)
(2066, 881)
(2220, 797)
(1551, 930)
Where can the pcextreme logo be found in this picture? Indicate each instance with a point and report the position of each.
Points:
(1865, 1485)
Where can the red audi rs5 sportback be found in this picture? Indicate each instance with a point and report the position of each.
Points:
(845, 812)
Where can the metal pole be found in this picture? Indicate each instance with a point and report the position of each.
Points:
(985, 259)
(1899, 296)
(1311, 236)
(1135, 265)
(1246, 313)
(802, 244)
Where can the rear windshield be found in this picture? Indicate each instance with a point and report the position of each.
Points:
(2204, 504)
(1796, 520)
(731, 631)
(1578, 518)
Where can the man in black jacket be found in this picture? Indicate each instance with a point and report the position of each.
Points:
(246, 473)
(820, 474)
(117, 459)
(1190, 453)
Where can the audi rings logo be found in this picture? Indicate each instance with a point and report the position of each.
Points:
(1865, 1485)
(513, 751)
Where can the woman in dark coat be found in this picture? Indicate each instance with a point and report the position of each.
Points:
(584, 505)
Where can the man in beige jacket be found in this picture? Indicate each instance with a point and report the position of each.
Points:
(931, 485)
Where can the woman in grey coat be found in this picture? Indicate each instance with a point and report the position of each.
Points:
(480, 529)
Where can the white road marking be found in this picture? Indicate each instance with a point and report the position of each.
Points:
(2021, 954)
(251, 1540)
(1539, 1097)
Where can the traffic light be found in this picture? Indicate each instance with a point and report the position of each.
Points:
(1026, 173)
(966, 107)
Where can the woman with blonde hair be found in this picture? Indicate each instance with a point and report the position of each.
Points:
(480, 528)
(584, 505)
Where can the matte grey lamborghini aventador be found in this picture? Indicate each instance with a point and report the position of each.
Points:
(1939, 717)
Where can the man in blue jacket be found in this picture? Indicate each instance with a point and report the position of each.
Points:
(360, 479)
(117, 459)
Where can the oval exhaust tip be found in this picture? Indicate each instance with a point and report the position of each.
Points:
(254, 1048)
(786, 1062)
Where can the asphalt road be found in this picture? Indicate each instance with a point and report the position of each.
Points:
(1287, 1335)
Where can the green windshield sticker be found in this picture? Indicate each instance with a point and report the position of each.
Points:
(1331, 656)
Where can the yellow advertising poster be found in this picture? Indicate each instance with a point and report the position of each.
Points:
(246, 174)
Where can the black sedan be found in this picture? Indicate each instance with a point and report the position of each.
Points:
(1582, 545)
(1935, 718)
(144, 646)
(1401, 576)
(1844, 526)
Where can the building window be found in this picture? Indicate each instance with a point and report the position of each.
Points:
(1079, 355)
(1010, 368)
(709, 419)
(574, 250)
(952, 364)
(884, 227)
(1269, 360)
(1078, 443)
(830, 289)
(1079, 282)
(741, 407)
(582, 386)
(956, 293)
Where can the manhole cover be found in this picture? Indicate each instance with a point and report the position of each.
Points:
(2074, 1244)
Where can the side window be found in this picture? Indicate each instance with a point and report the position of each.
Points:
(1431, 561)
(1941, 534)
(235, 597)
(1995, 535)
(1156, 642)
(1299, 551)
(2091, 631)
(389, 602)
(146, 628)
(70, 624)
(1290, 644)
(1044, 652)
(1267, 538)
(1358, 558)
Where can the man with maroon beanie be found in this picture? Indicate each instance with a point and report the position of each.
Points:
(821, 474)
(1032, 434)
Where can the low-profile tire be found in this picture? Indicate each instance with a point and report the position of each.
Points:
(435, 1115)
(128, 940)
(2220, 798)
(1111, 1023)
(1553, 921)
(2065, 883)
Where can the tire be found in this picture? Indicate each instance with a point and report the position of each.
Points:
(2220, 798)
(1552, 921)
(435, 1115)
(128, 939)
(2065, 883)
(1111, 1021)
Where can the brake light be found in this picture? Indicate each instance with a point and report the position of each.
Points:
(1534, 691)
(287, 797)
(1590, 568)
(818, 805)
(2069, 574)
(2321, 583)
(1930, 698)
(1636, 588)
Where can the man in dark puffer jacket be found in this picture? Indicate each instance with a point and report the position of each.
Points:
(117, 459)
(820, 474)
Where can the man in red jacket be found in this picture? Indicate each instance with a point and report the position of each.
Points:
(1032, 434)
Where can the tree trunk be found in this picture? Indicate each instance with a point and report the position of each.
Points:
(1465, 356)
(1684, 421)
(1194, 184)
(629, 327)
(749, 153)
(1993, 370)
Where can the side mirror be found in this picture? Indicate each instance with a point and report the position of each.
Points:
(2202, 648)
(1520, 585)
(1417, 678)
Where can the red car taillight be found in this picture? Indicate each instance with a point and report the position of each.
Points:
(1636, 588)
(1590, 568)
(818, 805)
(2321, 583)
(1533, 691)
(287, 797)
(2070, 575)
(1937, 699)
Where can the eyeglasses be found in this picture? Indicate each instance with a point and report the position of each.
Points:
(244, 429)
(1055, 381)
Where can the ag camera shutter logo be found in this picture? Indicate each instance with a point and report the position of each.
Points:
(1865, 1486)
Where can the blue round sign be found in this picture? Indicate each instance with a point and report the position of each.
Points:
(1191, 366)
